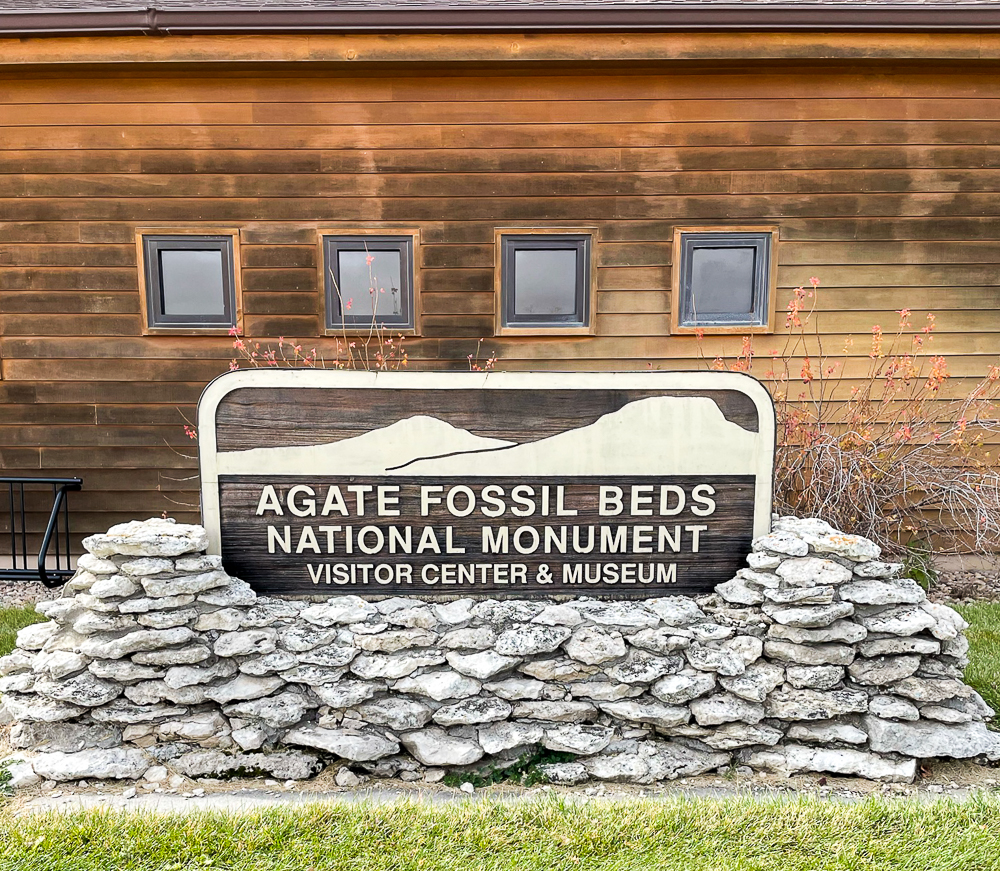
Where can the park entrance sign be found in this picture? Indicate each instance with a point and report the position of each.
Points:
(617, 484)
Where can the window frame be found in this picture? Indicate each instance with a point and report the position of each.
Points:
(409, 245)
(768, 285)
(586, 272)
(153, 321)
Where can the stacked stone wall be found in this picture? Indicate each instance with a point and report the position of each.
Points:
(818, 657)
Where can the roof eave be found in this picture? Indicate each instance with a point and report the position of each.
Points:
(497, 18)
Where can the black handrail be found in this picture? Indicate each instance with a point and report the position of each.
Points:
(53, 533)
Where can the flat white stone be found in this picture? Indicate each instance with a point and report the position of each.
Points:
(640, 667)
(895, 645)
(893, 708)
(35, 636)
(145, 566)
(555, 711)
(877, 569)
(390, 666)
(809, 654)
(726, 708)
(472, 638)
(337, 655)
(530, 639)
(678, 689)
(135, 642)
(279, 711)
(454, 613)
(739, 592)
(250, 642)
(339, 611)
(206, 728)
(781, 543)
(883, 670)
(90, 563)
(482, 665)
(795, 758)
(948, 623)
(58, 664)
(756, 682)
(345, 743)
(186, 675)
(345, 694)
(593, 645)
(723, 661)
(187, 655)
(439, 685)
(809, 617)
(515, 689)
(269, 663)
(158, 587)
(815, 677)
(841, 631)
(168, 619)
(123, 670)
(434, 746)
(827, 732)
(582, 740)
(558, 615)
(666, 639)
(473, 711)
(400, 715)
(153, 537)
(902, 591)
(244, 686)
(804, 704)
(112, 764)
(84, 689)
(559, 670)
(497, 737)
(733, 736)
(224, 620)
(901, 620)
(199, 563)
(812, 572)
(38, 709)
(396, 639)
(20, 774)
(652, 712)
(618, 768)
(928, 740)
(676, 611)
(89, 623)
(145, 604)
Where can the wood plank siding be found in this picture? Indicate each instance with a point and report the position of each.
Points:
(884, 182)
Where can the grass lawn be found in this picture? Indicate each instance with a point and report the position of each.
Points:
(672, 835)
(983, 672)
(12, 619)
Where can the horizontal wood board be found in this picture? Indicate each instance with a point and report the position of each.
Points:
(883, 182)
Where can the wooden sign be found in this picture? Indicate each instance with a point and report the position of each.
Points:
(611, 484)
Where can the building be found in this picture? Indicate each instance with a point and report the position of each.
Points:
(249, 151)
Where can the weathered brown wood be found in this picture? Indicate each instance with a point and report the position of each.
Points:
(884, 186)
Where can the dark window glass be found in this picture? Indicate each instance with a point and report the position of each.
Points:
(190, 281)
(725, 279)
(545, 281)
(369, 280)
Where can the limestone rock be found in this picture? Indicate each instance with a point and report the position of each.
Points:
(739, 592)
(793, 704)
(135, 642)
(63, 737)
(122, 712)
(618, 767)
(454, 613)
(167, 619)
(582, 740)
(530, 639)
(873, 592)
(186, 676)
(251, 642)
(948, 623)
(16, 661)
(564, 773)
(726, 708)
(90, 623)
(278, 711)
(801, 596)
(893, 708)
(809, 654)
(827, 732)
(930, 690)
(90, 563)
(733, 736)
(146, 604)
(619, 615)
(337, 655)
(19, 773)
(762, 562)
(84, 689)
(555, 711)
(32, 709)
(663, 640)
(882, 670)
(648, 711)
(153, 537)
(558, 615)
(285, 764)
(840, 631)
(187, 655)
(641, 667)
(203, 562)
(813, 572)
(472, 638)
(559, 670)
(300, 639)
(781, 543)
(678, 689)
(339, 611)
(676, 611)
(756, 682)
(36, 635)
(208, 728)
(439, 685)
(345, 743)
(497, 737)
(516, 688)
(112, 764)
(809, 617)
(59, 664)
(269, 663)
(815, 677)
(902, 620)
(113, 586)
(472, 712)
(243, 687)
(391, 666)
(603, 690)
(225, 620)
(396, 640)
(400, 715)
(670, 760)
(158, 587)
(927, 740)
(345, 694)
(715, 659)
(593, 645)
(482, 665)
(895, 644)
(434, 746)
(235, 594)
(796, 758)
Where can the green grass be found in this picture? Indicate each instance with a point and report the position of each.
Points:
(666, 835)
(12, 619)
(983, 672)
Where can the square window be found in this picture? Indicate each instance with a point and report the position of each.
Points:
(190, 281)
(724, 280)
(545, 282)
(369, 281)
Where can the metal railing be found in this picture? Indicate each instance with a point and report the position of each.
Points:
(24, 565)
